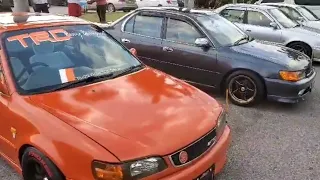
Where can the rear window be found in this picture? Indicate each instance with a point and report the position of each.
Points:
(42, 59)
(308, 2)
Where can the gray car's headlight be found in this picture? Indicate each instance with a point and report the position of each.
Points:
(130, 170)
(221, 124)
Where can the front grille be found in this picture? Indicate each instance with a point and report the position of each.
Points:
(195, 149)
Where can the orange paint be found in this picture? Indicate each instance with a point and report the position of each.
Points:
(41, 36)
(74, 127)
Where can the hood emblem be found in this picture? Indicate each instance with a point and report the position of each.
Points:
(183, 157)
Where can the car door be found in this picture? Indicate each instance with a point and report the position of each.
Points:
(182, 58)
(257, 25)
(143, 32)
(6, 136)
(235, 16)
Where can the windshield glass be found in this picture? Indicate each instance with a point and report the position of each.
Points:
(222, 30)
(292, 13)
(307, 13)
(42, 59)
(282, 18)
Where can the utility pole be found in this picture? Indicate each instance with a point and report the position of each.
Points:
(21, 6)
(189, 4)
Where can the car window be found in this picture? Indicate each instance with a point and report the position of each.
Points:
(272, 1)
(308, 14)
(292, 13)
(42, 59)
(145, 25)
(282, 18)
(233, 15)
(308, 2)
(181, 31)
(258, 18)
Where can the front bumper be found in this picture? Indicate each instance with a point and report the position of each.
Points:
(216, 157)
(289, 92)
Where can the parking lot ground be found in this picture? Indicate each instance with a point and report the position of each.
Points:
(270, 142)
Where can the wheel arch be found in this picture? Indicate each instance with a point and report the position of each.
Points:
(302, 42)
(224, 78)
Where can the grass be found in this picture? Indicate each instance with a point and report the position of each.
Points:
(92, 16)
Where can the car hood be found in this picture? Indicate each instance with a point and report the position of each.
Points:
(274, 53)
(313, 25)
(307, 33)
(142, 114)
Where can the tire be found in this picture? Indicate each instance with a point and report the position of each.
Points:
(301, 47)
(126, 10)
(250, 91)
(159, 5)
(111, 8)
(34, 161)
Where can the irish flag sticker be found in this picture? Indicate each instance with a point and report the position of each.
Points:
(67, 75)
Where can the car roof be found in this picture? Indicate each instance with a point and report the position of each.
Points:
(252, 6)
(28, 20)
(282, 4)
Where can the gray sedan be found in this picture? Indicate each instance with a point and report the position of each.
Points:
(271, 25)
(298, 13)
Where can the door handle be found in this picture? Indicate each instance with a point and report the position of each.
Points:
(248, 30)
(168, 49)
(125, 40)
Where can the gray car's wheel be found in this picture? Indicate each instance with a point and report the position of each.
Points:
(111, 8)
(301, 47)
(245, 88)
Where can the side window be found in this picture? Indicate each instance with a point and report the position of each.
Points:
(257, 18)
(145, 25)
(292, 13)
(233, 15)
(272, 1)
(181, 31)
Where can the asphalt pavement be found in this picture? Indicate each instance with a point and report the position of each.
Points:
(272, 141)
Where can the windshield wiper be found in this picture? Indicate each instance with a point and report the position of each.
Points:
(97, 78)
(247, 38)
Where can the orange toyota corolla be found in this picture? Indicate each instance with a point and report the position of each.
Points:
(76, 104)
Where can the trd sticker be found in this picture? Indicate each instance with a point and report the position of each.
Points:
(41, 36)
(67, 75)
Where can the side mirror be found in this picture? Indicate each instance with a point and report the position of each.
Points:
(274, 25)
(134, 52)
(202, 42)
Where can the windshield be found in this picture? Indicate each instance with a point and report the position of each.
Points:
(282, 18)
(307, 13)
(222, 30)
(292, 13)
(43, 59)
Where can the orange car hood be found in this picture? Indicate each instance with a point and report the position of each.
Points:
(142, 114)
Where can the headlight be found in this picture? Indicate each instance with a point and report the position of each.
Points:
(130, 170)
(222, 122)
(292, 75)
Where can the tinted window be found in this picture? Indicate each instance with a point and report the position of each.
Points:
(181, 31)
(282, 18)
(272, 1)
(145, 25)
(233, 15)
(308, 2)
(257, 18)
(58, 55)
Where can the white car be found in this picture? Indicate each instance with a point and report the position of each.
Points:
(313, 5)
(115, 5)
(154, 3)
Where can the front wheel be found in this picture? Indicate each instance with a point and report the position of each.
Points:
(36, 166)
(245, 88)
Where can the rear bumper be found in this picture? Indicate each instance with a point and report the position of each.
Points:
(289, 92)
(217, 156)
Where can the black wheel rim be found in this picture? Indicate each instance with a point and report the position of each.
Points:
(36, 171)
(242, 89)
(299, 48)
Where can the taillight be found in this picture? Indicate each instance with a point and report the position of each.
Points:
(169, 1)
